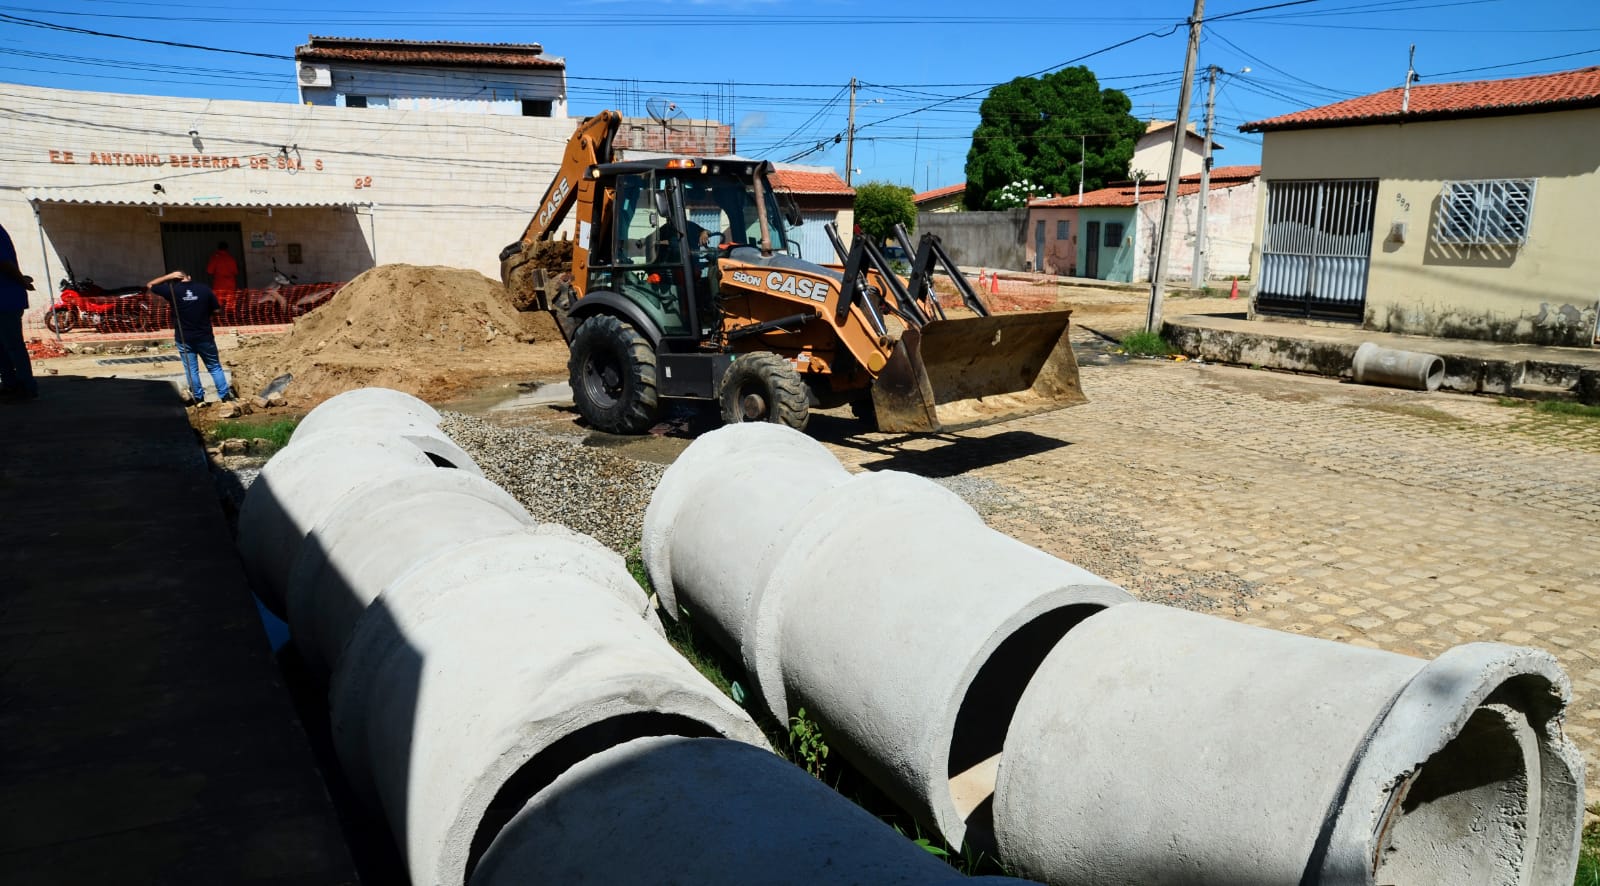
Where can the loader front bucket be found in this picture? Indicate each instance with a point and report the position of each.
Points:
(973, 371)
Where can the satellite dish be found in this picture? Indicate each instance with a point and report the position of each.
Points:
(661, 110)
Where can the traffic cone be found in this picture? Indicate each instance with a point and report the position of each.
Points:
(994, 283)
(982, 274)
(1235, 293)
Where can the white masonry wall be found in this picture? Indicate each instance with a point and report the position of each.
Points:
(441, 188)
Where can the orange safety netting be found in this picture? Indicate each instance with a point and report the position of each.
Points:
(123, 312)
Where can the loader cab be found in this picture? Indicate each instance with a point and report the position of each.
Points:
(669, 222)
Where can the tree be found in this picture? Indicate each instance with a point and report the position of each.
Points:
(881, 205)
(1036, 129)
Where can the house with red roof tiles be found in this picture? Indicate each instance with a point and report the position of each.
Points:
(1153, 151)
(509, 79)
(822, 197)
(1109, 234)
(1461, 210)
(946, 199)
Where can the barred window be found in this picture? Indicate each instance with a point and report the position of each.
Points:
(1061, 229)
(1113, 235)
(1495, 211)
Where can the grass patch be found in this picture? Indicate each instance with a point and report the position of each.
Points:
(1565, 408)
(1145, 344)
(1589, 854)
(274, 435)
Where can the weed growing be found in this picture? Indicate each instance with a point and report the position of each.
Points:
(274, 434)
(1589, 854)
(1145, 344)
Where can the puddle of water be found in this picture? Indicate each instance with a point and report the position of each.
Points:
(556, 393)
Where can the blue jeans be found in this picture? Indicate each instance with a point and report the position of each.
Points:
(16, 373)
(207, 351)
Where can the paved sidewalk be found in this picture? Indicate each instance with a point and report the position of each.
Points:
(145, 736)
(1406, 521)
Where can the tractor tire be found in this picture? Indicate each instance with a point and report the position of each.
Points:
(59, 321)
(613, 375)
(762, 386)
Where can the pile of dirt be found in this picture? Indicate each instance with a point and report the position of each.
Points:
(434, 332)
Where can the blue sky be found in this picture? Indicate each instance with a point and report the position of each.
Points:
(778, 70)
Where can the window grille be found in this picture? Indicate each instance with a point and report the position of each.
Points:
(1113, 235)
(1494, 211)
(1061, 229)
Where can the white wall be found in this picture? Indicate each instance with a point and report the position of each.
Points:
(1153, 152)
(448, 189)
(452, 89)
(1230, 227)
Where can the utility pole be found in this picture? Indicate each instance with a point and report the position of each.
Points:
(850, 136)
(1197, 277)
(1083, 159)
(1180, 131)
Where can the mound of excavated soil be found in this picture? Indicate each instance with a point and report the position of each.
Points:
(430, 331)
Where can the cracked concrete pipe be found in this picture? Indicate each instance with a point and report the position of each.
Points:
(452, 704)
(299, 486)
(1159, 746)
(395, 412)
(705, 811)
(373, 535)
(880, 603)
(759, 471)
(1397, 369)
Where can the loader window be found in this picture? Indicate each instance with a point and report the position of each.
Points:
(729, 203)
(648, 268)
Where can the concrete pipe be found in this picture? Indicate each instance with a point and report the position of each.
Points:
(1397, 369)
(373, 535)
(761, 472)
(705, 811)
(1159, 746)
(457, 707)
(332, 411)
(298, 487)
(881, 603)
(394, 412)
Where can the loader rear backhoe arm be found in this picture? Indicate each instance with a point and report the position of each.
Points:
(590, 144)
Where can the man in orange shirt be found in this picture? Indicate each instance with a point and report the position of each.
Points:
(223, 269)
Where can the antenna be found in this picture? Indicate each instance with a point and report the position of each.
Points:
(663, 112)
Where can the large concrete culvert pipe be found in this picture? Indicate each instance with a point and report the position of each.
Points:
(393, 412)
(1158, 746)
(762, 471)
(452, 709)
(880, 603)
(298, 487)
(705, 811)
(376, 533)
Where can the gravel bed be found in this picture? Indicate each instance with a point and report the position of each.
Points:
(559, 480)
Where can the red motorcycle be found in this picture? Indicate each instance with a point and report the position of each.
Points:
(85, 304)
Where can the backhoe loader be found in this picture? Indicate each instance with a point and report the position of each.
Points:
(682, 282)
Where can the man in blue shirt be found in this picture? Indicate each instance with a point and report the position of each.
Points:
(16, 373)
(192, 306)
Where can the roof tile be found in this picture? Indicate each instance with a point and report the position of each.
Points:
(936, 193)
(799, 181)
(427, 52)
(1149, 190)
(1476, 98)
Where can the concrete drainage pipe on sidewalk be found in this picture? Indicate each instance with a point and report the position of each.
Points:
(373, 535)
(299, 486)
(701, 810)
(455, 702)
(393, 412)
(880, 603)
(1374, 365)
(1159, 746)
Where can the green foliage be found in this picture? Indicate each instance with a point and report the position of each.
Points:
(1145, 344)
(273, 435)
(1552, 407)
(1029, 128)
(1589, 854)
(807, 745)
(881, 205)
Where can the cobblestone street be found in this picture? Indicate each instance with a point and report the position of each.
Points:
(1406, 521)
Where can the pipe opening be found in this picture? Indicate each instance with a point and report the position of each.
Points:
(1435, 375)
(548, 765)
(439, 461)
(979, 732)
(1470, 813)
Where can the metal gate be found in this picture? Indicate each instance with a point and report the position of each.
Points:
(1316, 248)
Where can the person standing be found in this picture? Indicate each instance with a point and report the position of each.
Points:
(222, 269)
(16, 372)
(192, 306)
